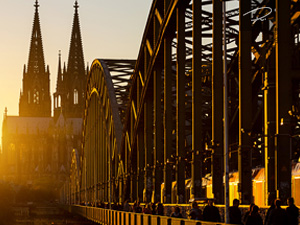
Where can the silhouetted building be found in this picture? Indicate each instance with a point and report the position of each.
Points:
(35, 95)
(70, 88)
(37, 147)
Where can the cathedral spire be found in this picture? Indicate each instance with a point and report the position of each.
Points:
(59, 72)
(76, 6)
(36, 61)
(59, 63)
(35, 98)
(36, 5)
(70, 92)
(76, 60)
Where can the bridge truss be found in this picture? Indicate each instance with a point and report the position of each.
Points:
(163, 128)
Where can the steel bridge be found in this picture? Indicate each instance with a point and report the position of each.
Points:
(153, 128)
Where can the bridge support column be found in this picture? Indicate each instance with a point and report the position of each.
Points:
(134, 172)
(105, 161)
(245, 105)
(269, 134)
(283, 100)
(102, 175)
(158, 134)
(141, 164)
(95, 147)
(167, 119)
(269, 126)
(180, 103)
(197, 136)
(148, 138)
(217, 105)
(133, 185)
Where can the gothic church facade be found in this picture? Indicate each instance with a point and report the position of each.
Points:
(36, 147)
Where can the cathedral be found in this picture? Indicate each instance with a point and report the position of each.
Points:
(36, 146)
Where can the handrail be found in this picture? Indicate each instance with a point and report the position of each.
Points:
(114, 217)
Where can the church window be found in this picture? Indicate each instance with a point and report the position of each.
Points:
(36, 67)
(28, 96)
(59, 101)
(75, 96)
(36, 97)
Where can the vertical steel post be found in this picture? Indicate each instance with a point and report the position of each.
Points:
(141, 164)
(283, 100)
(94, 146)
(245, 104)
(217, 105)
(167, 119)
(105, 159)
(134, 169)
(158, 135)
(225, 114)
(148, 140)
(180, 103)
(97, 143)
(269, 125)
(102, 154)
(197, 136)
(109, 166)
(85, 181)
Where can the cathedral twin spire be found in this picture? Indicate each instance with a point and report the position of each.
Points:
(35, 100)
(70, 89)
(36, 61)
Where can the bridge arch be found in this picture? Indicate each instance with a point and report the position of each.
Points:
(171, 138)
(102, 130)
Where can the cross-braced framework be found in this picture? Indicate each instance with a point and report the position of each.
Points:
(171, 101)
(170, 134)
(173, 129)
(107, 96)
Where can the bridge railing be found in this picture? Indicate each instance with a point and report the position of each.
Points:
(113, 217)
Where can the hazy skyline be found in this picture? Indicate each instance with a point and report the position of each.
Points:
(110, 29)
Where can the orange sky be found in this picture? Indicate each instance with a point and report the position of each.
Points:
(110, 29)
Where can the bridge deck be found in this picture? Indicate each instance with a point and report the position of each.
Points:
(113, 217)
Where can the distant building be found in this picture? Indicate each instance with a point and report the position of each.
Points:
(37, 147)
(70, 87)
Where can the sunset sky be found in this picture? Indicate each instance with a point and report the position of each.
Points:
(109, 28)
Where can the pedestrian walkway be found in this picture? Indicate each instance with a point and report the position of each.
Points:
(113, 217)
